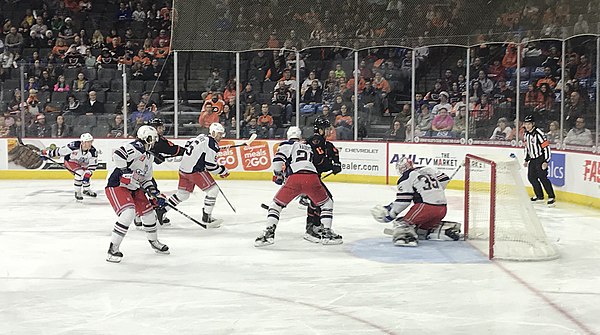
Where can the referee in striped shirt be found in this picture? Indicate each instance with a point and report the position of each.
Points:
(537, 155)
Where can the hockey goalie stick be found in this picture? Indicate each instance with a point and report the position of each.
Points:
(265, 206)
(187, 216)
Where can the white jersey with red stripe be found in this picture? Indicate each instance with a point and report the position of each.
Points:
(72, 152)
(295, 156)
(422, 185)
(133, 160)
(201, 155)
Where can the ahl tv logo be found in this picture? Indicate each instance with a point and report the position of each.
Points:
(556, 169)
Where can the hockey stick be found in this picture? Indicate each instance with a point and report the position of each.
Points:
(265, 206)
(228, 202)
(243, 144)
(59, 163)
(187, 216)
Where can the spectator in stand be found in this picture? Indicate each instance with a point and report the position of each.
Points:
(248, 114)
(141, 58)
(339, 71)
(59, 48)
(81, 84)
(504, 97)
(248, 96)
(460, 122)
(33, 102)
(584, 69)
(581, 26)
(496, 71)
(60, 129)
(72, 105)
(575, 108)
(502, 132)
(216, 102)
(287, 80)
(327, 115)
(227, 119)
(579, 135)
(38, 32)
(553, 135)
(154, 71)
(46, 83)
(548, 78)
(476, 90)
(460, 68)
(444, 96)
(141, 112)
(312, 76)
(509, 61)
(447, 80)
(487, 86)
(442, 122)
(31, 84)
(312, 99)
(482, 117)
(215, 82)
(369, 100)
(107, 59)
(61, 85)
(39, 128)
(434, 94)
(476, 66)
(283, 98)
(343, 125)
(266, 127)
(423, 124)
(361, 84)
(162, 36)
(230, 90)
(93, 106)
(162, 51)
(250, 128)
(14, 41)
(397, 133)
(117, 127)
(67, 33)
(208, 117)
(123, 14)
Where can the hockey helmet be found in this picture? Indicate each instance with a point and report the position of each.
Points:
(529, 118)
(321, 124)
(148, 135)
(294, 132)
(403, 165)
(86, 137)
(156, 122)
(216, 128)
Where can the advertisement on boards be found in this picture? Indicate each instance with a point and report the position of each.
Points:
(362, 158)
(557, 169)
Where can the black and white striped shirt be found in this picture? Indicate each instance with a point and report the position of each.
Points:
(536, 145)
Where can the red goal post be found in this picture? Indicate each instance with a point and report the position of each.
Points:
(499, 219)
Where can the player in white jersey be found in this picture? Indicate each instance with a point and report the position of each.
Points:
(81, 159)
(129, 186)
(197, 164)
(296, 158)
(425, 187)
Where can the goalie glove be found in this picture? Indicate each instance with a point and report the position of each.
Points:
(382, 213)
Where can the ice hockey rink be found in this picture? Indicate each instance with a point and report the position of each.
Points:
(54, 278)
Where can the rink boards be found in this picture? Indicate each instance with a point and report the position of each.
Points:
(575, 175)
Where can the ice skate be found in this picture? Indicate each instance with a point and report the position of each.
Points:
(551, 202)
(90, 193)
(114, 255)
(313, 233)
(78, 196)
(209, 221)
(267, 238)
(329, 237)
(159, 248)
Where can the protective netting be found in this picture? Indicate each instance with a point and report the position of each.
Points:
(237, 25)
(518, 233)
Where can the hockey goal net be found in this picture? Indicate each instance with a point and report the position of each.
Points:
(499, 217)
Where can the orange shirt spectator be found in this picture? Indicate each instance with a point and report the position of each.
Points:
(207, 118)
(361, 84)
(510, 57)
(381, 84)
(340, 119)
(216, 104)
(265, 120)
(60, 48)
(162, 52)
(331, 134)
(142, 58)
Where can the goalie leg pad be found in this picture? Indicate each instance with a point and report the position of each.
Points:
(445, 231)
(404, 235)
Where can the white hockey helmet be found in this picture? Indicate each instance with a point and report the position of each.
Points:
(147, 134)
(294, 132)
(216, 128)
(404, 164)
(86, 137)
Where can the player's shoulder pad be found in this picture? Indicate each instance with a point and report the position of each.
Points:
(93, 151)
(405, 175)
(75, 145)
(288, 142)
(139, 146)
(212, 143)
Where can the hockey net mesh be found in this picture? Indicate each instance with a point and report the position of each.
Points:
(518, 233)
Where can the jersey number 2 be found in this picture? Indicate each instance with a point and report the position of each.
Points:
(303, 155)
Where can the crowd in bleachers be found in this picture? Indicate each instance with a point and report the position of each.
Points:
(72, 53)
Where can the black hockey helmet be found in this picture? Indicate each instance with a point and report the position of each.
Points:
(156, 122)
(321, 124)
(529, 118)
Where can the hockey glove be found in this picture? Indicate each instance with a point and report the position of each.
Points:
(128, 181)
(278, 178)
(225, 173)
(86, 176)
(159, 199)
(336, 168)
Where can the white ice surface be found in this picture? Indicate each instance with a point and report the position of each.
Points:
(54, 278)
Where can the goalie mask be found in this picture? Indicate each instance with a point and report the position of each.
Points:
(403, 165)
(147, 135)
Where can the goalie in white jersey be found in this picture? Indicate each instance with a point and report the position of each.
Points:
(424, 186)
(302, 178)
(197, 164)
(81, 159)
(129, 186)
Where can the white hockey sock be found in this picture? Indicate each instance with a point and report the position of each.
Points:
(273, 214)
(149, 224)
(327, 213)
(210, 199)
(121, 226)
(177, 198)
